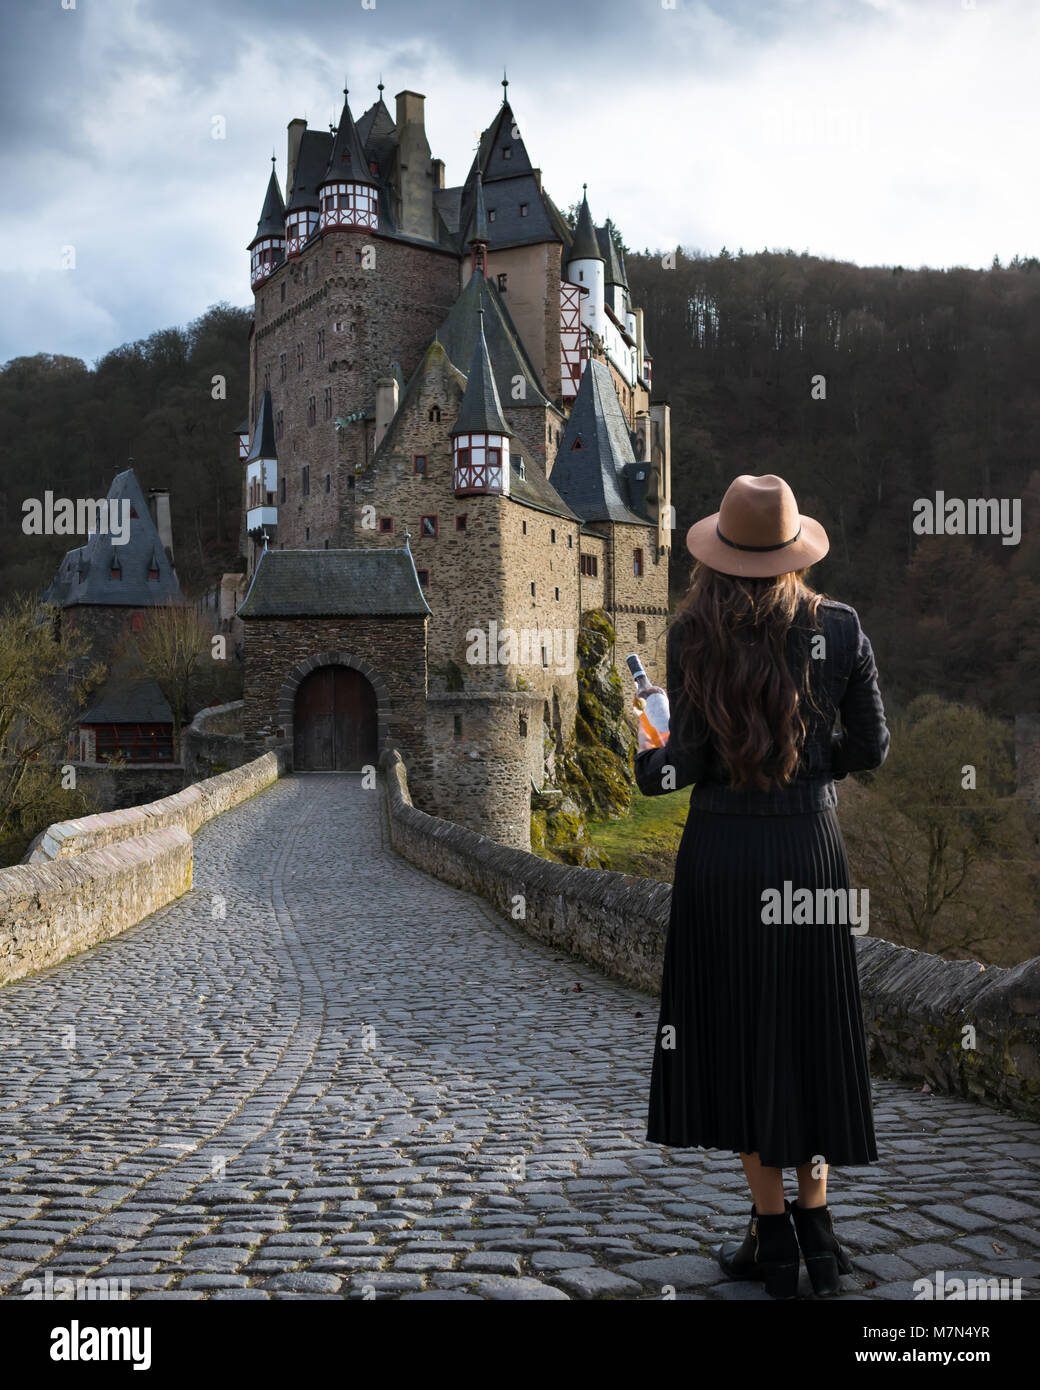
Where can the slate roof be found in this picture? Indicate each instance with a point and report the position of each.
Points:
(585, 244)
(272, 214)
(613, 269)
(263, 445)
(136, 702)
(479, 224)
(481, 410)
(535, 490)
(375, 582)
(591, 479)
(312, 160)
(458, 336)
(85, 574)
(348, 162)
(508, 185)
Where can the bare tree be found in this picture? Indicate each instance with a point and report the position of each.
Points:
(173, 641)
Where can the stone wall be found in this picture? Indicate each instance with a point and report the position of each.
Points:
(129, 784)
(213, 742)
(89, 879)
(916, 1006)
(51, 911)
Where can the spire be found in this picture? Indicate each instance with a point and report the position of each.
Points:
(272, 214)
(263, 433)
(505, 87)
(348, 162)
(481, 411)
(480, 216)
(585, 246)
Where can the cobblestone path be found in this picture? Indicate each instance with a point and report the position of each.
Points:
(361, 1082)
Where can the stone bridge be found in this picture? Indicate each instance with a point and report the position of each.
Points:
(322, 1072)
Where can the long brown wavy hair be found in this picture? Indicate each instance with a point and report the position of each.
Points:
(733, 649)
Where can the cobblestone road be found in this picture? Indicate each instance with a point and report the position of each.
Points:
(361, 1082)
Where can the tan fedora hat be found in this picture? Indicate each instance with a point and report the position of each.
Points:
(758, 531)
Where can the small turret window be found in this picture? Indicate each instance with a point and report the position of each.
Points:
(491, 214)
(386, 523)
(503, 284)
(435, 412)
(429, 527)
(507, 152)
(523, 209)
(420, 463)
(577, 443)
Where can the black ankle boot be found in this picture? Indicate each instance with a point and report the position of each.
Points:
(768, 1252)
(825, 1259)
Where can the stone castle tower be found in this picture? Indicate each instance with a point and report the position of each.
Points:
(456, 377)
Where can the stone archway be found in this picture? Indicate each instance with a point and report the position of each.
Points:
(363, 694)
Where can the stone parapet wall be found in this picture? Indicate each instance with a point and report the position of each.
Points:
(54, 910)
(187, 809)
(916, 1007)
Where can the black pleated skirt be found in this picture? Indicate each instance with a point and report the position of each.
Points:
(760, 1045)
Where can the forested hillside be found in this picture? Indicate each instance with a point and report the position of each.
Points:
(69, 428)
(930, 380)
(932, 383)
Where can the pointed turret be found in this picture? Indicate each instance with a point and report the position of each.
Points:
(585, 267)
(301, 214)
(268, 244)
(478, 237)
(481, 436)
(262, 477)
(350, 190)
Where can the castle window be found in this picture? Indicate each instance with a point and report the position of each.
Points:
(523, 725)
(328, 482)
(552, 537)
(640, 632)
(305, 480)
(424, 577)
(502, 282)
(521, 469)
(589, 564)
(637, 563)
(507, 152)
(577, 442)
(419, 462)
(491, 214)
(153, 573)
(557, 595)
(283, 489)
(460, 522)
(283, 291)
(327, 402)
(283, 365)
(524, 524)
(570, 540)
(306, 533)
(428, 527)
(523, 209)
(457, 725)
(357, 257)
(321, 345)
(532, 588)
(339, 254)
(435, 413)
(312, 410)
(279, 423)
(337, 327)
(581, 275)
(386, 523)
(546, 653)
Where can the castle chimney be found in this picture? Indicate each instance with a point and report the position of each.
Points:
(413, 167)
(386, 405)
(159, 503)
(296, 129)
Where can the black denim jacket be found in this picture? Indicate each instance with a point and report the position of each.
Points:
(844, 682)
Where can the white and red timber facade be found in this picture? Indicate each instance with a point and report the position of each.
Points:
(458, 378)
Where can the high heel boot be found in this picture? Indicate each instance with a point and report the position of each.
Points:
(769, 1251)
(825, 1259)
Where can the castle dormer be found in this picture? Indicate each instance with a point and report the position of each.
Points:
(480, 439)
(267, 249)
(349, 192)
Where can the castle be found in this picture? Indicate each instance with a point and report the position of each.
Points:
(453, 456)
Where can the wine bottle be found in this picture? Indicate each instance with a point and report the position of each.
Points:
(654, 712)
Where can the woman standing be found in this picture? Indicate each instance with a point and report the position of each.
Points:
(760, 1047)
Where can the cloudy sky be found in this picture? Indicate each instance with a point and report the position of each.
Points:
(877, 131)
